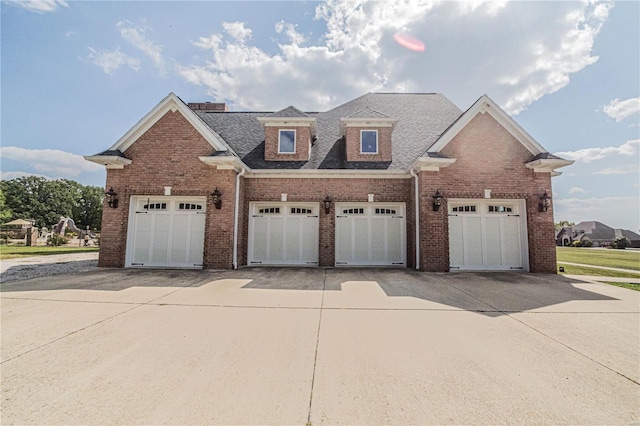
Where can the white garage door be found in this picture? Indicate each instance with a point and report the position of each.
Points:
(487, 235)
(370, 234)
(166, 232)
(283, 234)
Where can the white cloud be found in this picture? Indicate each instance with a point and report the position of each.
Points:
(111, 60)
(588, 155)
(39, 6)
(622, 109)
(624, 170)
(237, 30)
(471, 48)
(577, 190)
(50, 161)
(137, 38)
(290, 31)
(617, 212)
(14, 175)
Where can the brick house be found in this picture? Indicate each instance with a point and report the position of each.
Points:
(387, 179)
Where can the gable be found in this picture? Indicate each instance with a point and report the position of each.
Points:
(174, 104)
(482, 106)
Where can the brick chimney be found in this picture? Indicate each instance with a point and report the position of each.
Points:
(208, 106)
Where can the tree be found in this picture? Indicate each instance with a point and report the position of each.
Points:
(620, 243)
(45, 201)
(563, 224)
(5, 212)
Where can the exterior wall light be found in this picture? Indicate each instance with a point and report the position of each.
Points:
(216, 195)
(112, 201)
(545, 202)
(327, 205)
(437, 200)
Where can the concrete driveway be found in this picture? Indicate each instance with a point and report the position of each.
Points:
(318, 346)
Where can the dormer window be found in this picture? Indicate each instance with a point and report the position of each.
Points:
(287, 142)
(368, 141)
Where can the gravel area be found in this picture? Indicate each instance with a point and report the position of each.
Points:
(27, 268)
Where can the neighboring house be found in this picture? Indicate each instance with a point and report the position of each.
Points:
(387, 179)
(600, 234)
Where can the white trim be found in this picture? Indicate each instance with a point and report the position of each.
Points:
(432, 164)
(295, 135)
(377, 141)
(170, 103)
(548, 165)
(109, 161)
(235, 219)
(224, 162)
(417, 217)
(326, 174)
(486, 105)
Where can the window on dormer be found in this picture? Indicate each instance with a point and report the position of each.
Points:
(287, 142)
(369, 141)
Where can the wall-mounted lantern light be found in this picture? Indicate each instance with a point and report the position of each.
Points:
(327, 205)
(437, 200)
(112, 201)
(545, 202)
(216, 195)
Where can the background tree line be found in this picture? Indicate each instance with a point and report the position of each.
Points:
(45, 201)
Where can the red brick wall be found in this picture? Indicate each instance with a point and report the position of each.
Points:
(339, 190)
(353, 144)
(303, 140)
(167, 155)
(488, 157)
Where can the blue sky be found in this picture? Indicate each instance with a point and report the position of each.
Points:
(77, 75)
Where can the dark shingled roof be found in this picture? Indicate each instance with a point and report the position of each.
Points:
(367, 112)
(546, 156)
(289, 111)
(421, 120)
(112, 153)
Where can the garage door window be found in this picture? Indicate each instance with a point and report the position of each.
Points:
(269, 210)
(464, 209)
(189, 206)
(300, 210)
(500, 209)
(353, 211)
(155, 206)
(385, 211)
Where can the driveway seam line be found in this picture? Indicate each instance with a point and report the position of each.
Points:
(315, 358)
(508, 314)
(90, 325)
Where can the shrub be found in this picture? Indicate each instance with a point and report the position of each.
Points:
(576, 243)
(620, 243)
(586, 242)
(56, 240)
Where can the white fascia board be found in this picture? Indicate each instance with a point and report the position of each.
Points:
(430, 164)
(289, 122)
(487, 105)
(326, 174)
(109, 161)
(170, 103)
(548, 165)
(224, 163)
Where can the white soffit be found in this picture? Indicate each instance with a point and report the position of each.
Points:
(482, 106)
(109, 161)
(432, 164)
(548, 165)
(170, 103)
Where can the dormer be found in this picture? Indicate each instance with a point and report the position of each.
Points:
(288, 135)
(367, 135)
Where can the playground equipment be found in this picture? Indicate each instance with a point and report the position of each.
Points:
(67, 222)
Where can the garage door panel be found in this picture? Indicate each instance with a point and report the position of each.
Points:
(486, 234)
(395, 244)
(371, 234)
(472, 228)
(283, 234)
(493, 241)
(161, 234)
(166, 232)
(512, 243)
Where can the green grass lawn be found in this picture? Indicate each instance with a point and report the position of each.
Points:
(11, 252)
(625, 259)
(585, 270)
(630, 286)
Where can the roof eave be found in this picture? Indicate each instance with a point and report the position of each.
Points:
(109, 161)
(430, 164)
(548, 165)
